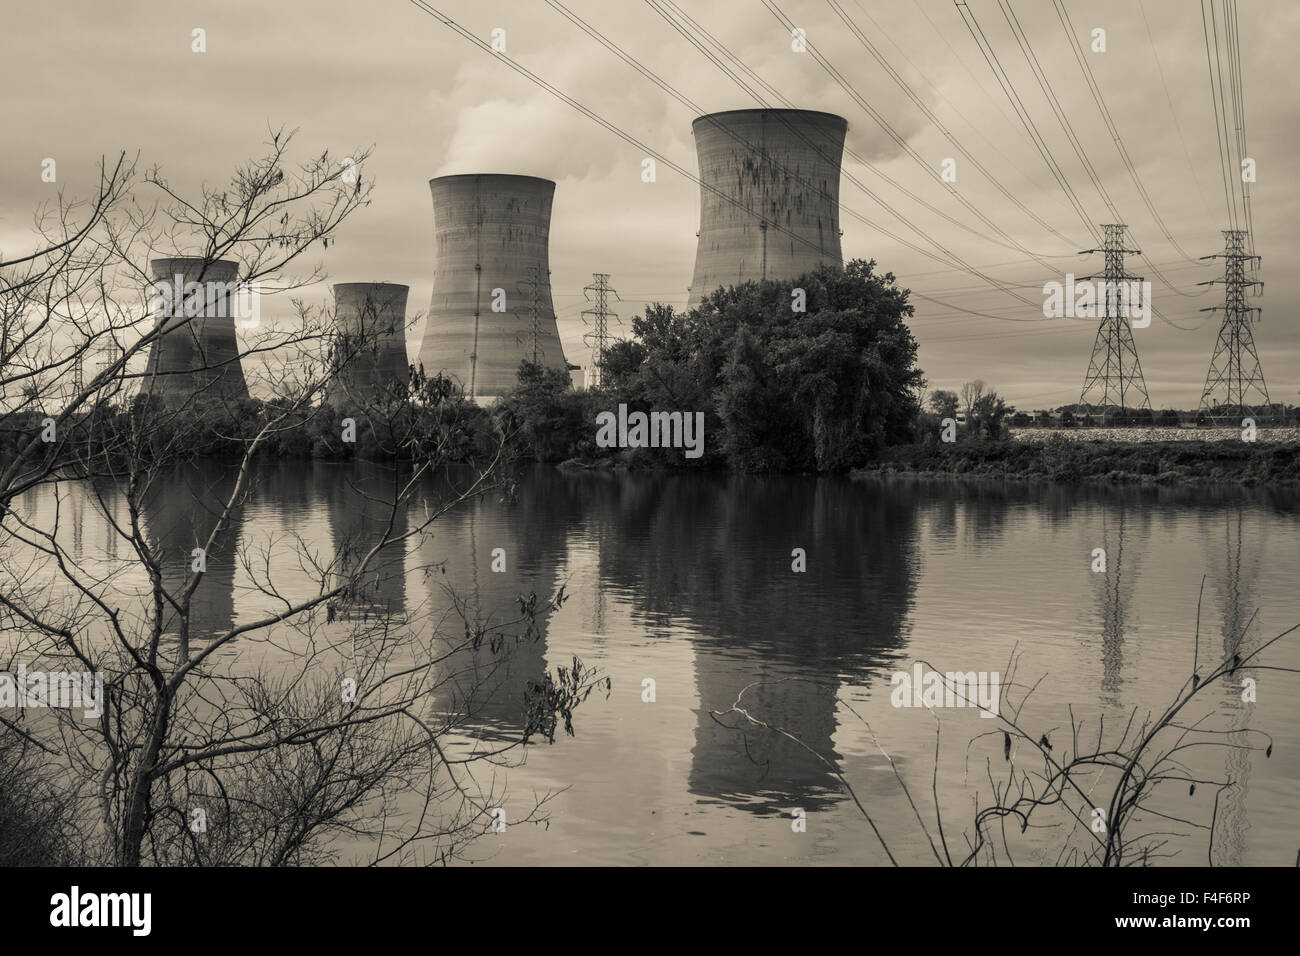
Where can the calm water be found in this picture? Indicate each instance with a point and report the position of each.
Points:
(687, 581)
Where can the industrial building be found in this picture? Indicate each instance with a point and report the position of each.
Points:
(769, 196)
(491, 305)
(194, 302)
(371, 322)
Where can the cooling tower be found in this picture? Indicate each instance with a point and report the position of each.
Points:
(371, 320)
(778, 216)
(198, 354)
(489, 231)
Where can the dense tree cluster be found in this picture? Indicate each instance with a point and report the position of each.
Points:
(815, 374)
(823, 389)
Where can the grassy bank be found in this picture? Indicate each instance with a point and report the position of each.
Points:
(1264, 435)
(1060, 459)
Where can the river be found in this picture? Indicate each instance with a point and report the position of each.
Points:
(686, 581)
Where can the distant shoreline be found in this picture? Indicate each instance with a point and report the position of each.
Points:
(1069, 459)
(1146, 434)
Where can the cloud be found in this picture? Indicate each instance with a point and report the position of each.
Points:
(96, 79)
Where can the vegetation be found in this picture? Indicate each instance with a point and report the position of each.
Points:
(1060, 459)
(824, 389)
(781, 390)
(1105, 797)
(186, 760)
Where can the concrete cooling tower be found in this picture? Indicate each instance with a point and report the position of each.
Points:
(371, 318)
(197, 354)
(489, 231)
(778, 215)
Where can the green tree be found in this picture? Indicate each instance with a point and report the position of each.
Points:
(544, 415)
(822, 389)
(944, 403)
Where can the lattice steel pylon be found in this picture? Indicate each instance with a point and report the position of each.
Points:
(598, 337)
(112, 352)
(1114, 373)
(1235, 374)
(79, 371)
(535, 282)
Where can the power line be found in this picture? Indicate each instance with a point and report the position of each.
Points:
(938, 93)
(685, 100)
(1040, 75)
(1237, 82)
(592, 115)
(645, 148)
(920, 104)
(1008, 88)
(901, 141)
(659, 7)
(1155, 55)
(1063, 15)
(1216, 98)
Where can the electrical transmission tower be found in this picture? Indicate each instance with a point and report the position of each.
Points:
(598, 338)
(112, 353)
(535, 282)
(1114, 375)
(79, 371)
(1234, 384)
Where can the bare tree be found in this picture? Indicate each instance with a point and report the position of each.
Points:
(341, 731)
(970, 396)
(1108, 798)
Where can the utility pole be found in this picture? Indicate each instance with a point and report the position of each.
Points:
(598, 338)
(1235, 374)
(1114, 373)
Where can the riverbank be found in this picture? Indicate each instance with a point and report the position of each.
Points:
(1061, 459)
(1264, 434)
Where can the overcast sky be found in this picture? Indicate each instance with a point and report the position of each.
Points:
(87, 78)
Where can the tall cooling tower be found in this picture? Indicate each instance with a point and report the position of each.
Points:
(778, 215)
(489, 230)
(198, 354)
(371, 318)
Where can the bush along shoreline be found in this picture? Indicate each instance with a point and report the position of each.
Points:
(1061, 459)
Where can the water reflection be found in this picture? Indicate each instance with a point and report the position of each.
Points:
(365, 508)
(525, 534)
(1115, 589)
(180, 510)
(714, 555)
(688, 580)
(1236, 563)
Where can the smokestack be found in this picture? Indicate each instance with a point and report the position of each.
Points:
(199, 354)
(489, 231)
(371, 316)
(779, 171)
